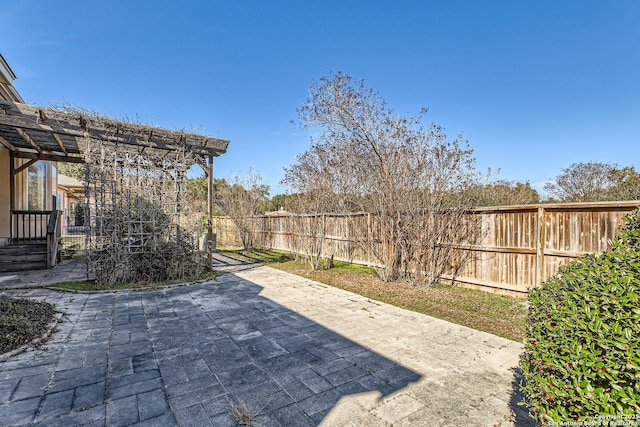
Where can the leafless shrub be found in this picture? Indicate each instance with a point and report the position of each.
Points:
(366, 158)
(308, 232)
(242, 200)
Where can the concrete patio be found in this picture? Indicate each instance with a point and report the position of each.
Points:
(294, 351)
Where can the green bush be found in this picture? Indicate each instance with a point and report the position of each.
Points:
(582, 356)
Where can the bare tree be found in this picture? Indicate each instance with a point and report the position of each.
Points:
(367, 158)
(625, 184)
(242, 200)
(595, 181)
(582, 182)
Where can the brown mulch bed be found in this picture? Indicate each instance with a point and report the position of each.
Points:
(21, 321)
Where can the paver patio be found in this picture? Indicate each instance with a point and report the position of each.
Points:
(296, 352)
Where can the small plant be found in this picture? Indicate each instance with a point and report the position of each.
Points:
(582, 355)
(242, 414)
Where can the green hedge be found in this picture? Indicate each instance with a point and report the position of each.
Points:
(582, 356)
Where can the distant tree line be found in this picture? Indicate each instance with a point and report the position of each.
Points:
(240, 197)
(580, 182)
(594, 182)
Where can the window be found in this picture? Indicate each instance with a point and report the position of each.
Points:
(54, 186)
(37, 186)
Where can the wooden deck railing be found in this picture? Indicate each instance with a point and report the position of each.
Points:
(37, 227)
(53, 238)
(29, 226)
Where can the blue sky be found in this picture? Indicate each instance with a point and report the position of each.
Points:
(533, 85)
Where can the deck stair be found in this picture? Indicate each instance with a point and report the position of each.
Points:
(23, 256)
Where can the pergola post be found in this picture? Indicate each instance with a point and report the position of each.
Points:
(12, 181)
(12, 193)
(210, 237)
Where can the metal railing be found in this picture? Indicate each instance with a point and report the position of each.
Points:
(73, 238)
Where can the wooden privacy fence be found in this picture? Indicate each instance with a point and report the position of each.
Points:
(518, 247)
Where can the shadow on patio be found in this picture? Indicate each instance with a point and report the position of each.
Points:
(245, 348)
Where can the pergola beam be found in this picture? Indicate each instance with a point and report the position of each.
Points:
(24, 166)
(7, 144)
(60, 143)
(27, 138)
(50, 157)
(20, 124)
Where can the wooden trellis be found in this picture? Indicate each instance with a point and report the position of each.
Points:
(136, 202)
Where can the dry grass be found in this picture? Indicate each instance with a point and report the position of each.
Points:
(242, 414)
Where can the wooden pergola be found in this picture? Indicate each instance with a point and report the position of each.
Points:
(37, 133)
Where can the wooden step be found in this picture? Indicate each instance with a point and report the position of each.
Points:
(22, 266)
(27, 256)
(33, 256)
(23, 249)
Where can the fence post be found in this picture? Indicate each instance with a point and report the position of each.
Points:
(210, 190)
(369, 238)
(540, 246)
(323, 235)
